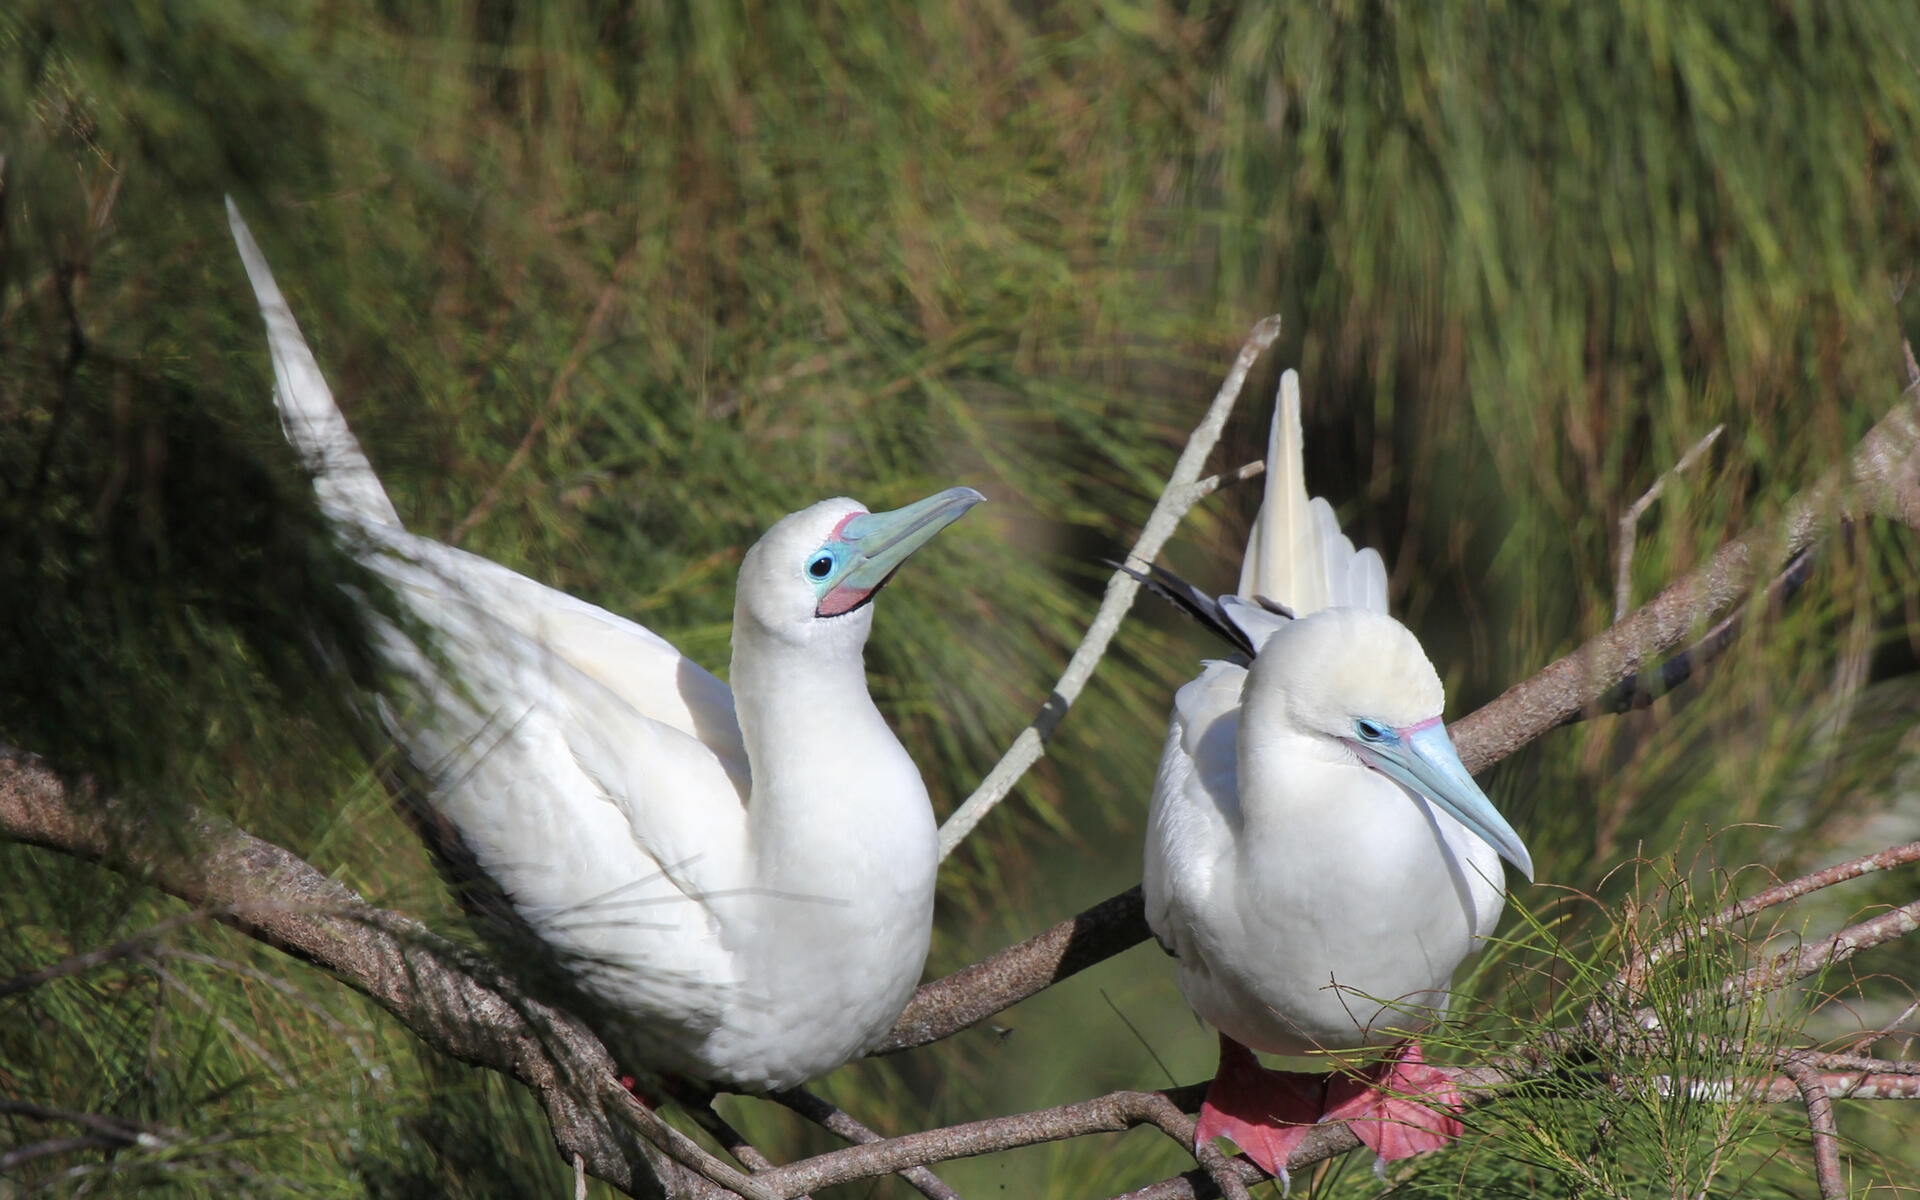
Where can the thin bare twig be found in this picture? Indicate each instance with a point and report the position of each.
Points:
(52, 1146)
(1780, 893)
(104, 1132)
(226, 1023)
(1213, 483)
(731, 1140)
(1630, 521)
(1848, 1085)
(1816, 957)
(75, 963)
(683, 1149)
(1842, 1060)
(1112, 1113)
(1176, 499)
(838, 1121)
(1890, 1029)
(125, 1130)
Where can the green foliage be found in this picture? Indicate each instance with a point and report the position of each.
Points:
(606, 288)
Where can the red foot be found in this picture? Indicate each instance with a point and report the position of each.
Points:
(1265, 1113)
(1400, 1108)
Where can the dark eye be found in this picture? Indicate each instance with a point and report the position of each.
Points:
(821, 566)
(1370, 731)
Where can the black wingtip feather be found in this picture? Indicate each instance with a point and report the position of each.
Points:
(1193, 602)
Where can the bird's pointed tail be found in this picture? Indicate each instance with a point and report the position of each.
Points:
(1296, 554)
(342, 477)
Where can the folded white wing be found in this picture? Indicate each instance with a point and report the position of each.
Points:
(595, 772)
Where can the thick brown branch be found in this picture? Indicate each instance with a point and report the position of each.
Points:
(1642, 688)
(946, 1006)
(275, 897)
(1881, 479)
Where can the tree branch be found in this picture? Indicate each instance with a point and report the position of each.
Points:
(1115, 1112)
(1828, 951)
(946, 1006)
(1881, 479)
(837, 1121)
(1184, 489)
(1778, 894)
(1826, 1134)
(76, 963)
(449, 1001)
(1630, 520)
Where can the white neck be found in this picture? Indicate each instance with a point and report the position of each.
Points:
(840, 832)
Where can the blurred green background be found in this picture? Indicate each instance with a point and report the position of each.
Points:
(606, 288)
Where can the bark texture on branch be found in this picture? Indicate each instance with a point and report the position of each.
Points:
(440, 994)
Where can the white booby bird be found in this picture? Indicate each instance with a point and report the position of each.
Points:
(742, 878)
(1317, 858)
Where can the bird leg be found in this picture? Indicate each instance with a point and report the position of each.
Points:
(1397, 1107)
(1265, 1113)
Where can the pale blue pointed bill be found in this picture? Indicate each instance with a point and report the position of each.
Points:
(869, 547)
(1422, 757)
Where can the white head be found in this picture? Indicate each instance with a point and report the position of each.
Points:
(810, 577)
(1358, 683)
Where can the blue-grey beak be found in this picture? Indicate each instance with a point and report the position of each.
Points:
(873, 545)
(1423, 758)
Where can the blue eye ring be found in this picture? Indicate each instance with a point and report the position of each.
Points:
(1372, 731)
(821, 565)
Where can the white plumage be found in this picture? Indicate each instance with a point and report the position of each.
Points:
(1317, 860)
(744, 878)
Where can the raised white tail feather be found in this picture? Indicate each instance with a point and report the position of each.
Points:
(342, 476)
(1296, 554)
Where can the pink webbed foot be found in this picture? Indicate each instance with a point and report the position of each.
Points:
(1400, 1108)
(1265, 1113)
